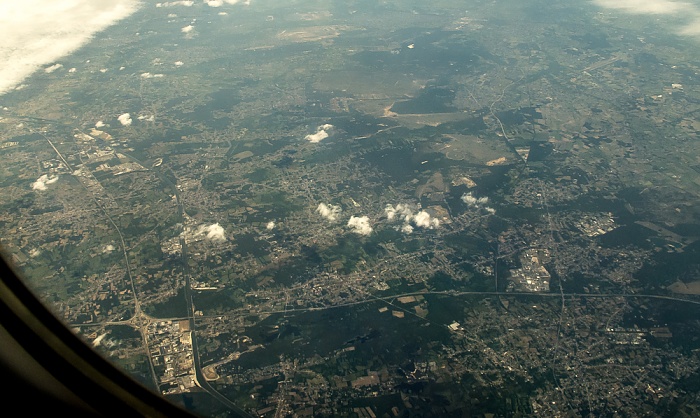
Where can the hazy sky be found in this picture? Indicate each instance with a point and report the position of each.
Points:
(687, 12)
(37, 33)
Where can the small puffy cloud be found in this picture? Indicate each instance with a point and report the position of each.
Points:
(321, 133)
(317, 137)
(125, 119)
(187, 29)
(270, 225)
(470, 200)
(99, 124)
(360, 225)
(390, 212)
(149, 75)
(329, 212)
(479, 203)
(402, 212)
(41, 182)
(186, 3)
(53, 68)
(219, 3)
(424, 220)
(179, 63)
(213, 232)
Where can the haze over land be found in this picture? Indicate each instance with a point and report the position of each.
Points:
(366, 209)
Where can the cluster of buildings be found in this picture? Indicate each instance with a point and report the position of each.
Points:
(532, 276)
(172, 355)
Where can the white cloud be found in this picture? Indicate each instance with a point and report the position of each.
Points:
(692, 28)
(41, 182)
(270, 225)
(179, 63)
(52, 68)
(423, 220)
(149, 75)
(403, 212)
(186, 3)
(470, 200)
(219, 3)
(187, 29)
(479, 203)
(329, 212)
(213, 232)
(390, 212)
(38, 32)
(321, 133)
(317, 137)
(99, 124)
(646, 6)
(125, 119)
(360, 225)
(686, 14)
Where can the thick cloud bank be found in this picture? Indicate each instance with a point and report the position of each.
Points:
(36, 33)
(687, 13)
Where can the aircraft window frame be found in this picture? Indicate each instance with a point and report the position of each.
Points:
(102, 389)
